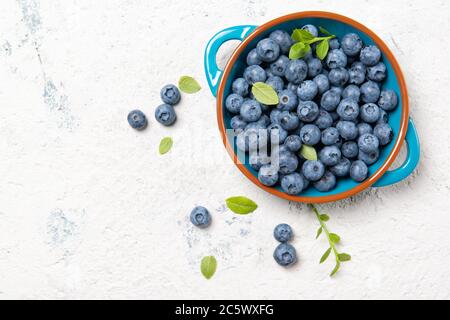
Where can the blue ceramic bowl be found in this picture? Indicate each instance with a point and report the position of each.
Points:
(220, 83)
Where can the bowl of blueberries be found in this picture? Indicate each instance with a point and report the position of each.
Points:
(341, 114)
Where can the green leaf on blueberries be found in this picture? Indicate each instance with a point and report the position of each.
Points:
(325, 32)
(335, 238)
(265, 94)
(299, 50)
(322, 49)
(336, 269)
(324, 217)
(208, 266)
(188, 85)
(165, 145)
(343, 257)
(300, 35)
(325, 256)
(241, 205)
(308, 153)
(319, 232)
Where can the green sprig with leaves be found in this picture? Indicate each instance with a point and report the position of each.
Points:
(304, 39)
(333, 239)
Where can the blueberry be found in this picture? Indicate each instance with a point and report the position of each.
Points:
(324, 120)
(326, 183)
(314, 67)
(308, 111)
(268, 175)
(292, 87)
(384, 133)
(322, 82)
(283, 39)
(350, 149)
(330, 100)
(351, 44)
(342, 168)
(258, 159)
(285, 255)
(308, 90)
(252, 139)
(276, 83)
(334, 44)
(334, 115)
(357, 73)
(310, 134)
(251, 110)
(264, 121)
(293, 143)
(165, 114)
(170, 94)
(330, 136)
(338, 76)
(388, 100)
(288, 163)
(283, 233)
(288, 120)
(256, 125)
(278, 67)
(268, 50)
(339, 90)
(255, 74)
(359, 171)
(330, 155)
(137, 120)
(368, 143)
(352, 92)
(276, 151)
(370, 55)
(237, 122)
(200, 217)
(348, 110)
(369, 158)
(336, 59)
(233, 103)
(364, 128)
(292, 184)
(274, 115)
(288, 100)
(253, 58)
(377, 72)
(313, 170)
(241, 87)
(370, 113)
(347, 130)
(384, 117)
(311, 29)
(296, 71)
(370, 92)
(277, 133)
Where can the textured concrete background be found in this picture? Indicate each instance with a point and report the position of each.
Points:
(88, 209)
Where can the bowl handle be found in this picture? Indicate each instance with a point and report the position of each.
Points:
(213, 73)
(411, 162)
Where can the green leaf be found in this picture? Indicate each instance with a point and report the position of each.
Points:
(335, 238)
(336, 269)
(325, 256)
(325, 32)
(208, 267)
(324, 217)
(165, 145)
(299, 50)
(241, 205)
(322, 49)
(188, 85)
(265, 94)
(343, 257)
(300, 35)
(319, 232)
(308, 153)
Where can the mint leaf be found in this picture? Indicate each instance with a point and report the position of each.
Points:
(343, 257)
(325, 256)
(241, 205)
(308, 153)
(322, 49)
(208, 267)
(188, 85)
(165, 145)
(265, 94)
(300, 35)
(324, 217)
(299, 50)
(336, 269)
(319, 232)
(325, 32)
(335, 238)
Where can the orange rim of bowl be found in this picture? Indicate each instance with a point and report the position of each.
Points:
(403, 91)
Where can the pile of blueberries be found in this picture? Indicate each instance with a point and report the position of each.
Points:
(337, 106)
(285, 254)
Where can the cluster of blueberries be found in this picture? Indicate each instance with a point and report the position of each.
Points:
(285, 254)
(336, 106)
(164, 114)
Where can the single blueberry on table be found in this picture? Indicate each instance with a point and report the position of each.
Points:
(251, 110)
(359, 171)
(357, 73)
(276, 83)
(326, 183)
(348, 110)
(330, 100)
(368, 143)
(278, 68)
(384, 133)
(283, 233)
(377, 72)
(268, 50)
(310, 134)
(292, 184)
(336, 59)
(313, 170)
(285, 255)
(312, 29)
(307, 90)
(342, 168)
(200, 217)
(370, 92)
(370, 113)
(351, 44)
(255, 74)
(237, 122)
(330, 136)
(352, 92)
(283, 39)
(165, 114)
(370, 55)
(330, 155)
(364, 128)
(347, 130)
(338, 76)
(322, 82)
(296, 71)
(293, 143)
(233, 103)
(288, 120)
(288, 163)
(388, 100)
(314, 67)
(288, 100)
(276, 133)
(240, 86)
(170, 94)
(268, 175)
(253, 58)
(137, 120)
(308, 111)
(369, 158)
(350, 149)
(324, 120)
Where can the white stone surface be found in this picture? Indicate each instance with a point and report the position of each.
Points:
(88, 209)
